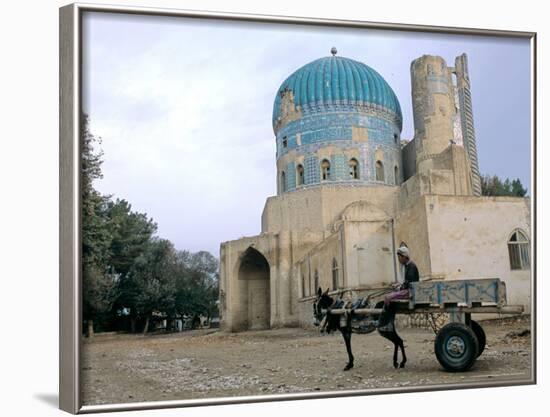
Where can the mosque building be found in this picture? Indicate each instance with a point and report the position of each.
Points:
(349, 190)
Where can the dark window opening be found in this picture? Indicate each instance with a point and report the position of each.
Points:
(379, 171)
(325, 170)
(300, 176)
(353, 169)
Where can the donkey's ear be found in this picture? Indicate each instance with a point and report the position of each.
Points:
(326, 292)
(319, 291)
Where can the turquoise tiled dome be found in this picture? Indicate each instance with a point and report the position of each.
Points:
(336, 80)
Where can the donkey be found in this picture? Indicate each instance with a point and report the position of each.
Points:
(330, 322)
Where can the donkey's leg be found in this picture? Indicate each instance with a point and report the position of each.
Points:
(346, 333)
(402, 346)
(391, 337)
(398, 342)
(388, 331)
(395, 347)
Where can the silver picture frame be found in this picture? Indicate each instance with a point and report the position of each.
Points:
(70, 279)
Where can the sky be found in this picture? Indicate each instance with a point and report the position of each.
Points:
(183, 108)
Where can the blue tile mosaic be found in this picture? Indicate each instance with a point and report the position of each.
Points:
(290, 176)
(312, 171)
(335, 127)
(337, 80)
(339, 167)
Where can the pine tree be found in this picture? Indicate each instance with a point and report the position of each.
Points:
(494, 186)
(131, 234)
(97, 283)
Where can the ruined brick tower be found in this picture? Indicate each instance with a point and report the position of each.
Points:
(442, 108)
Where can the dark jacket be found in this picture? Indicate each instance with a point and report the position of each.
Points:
(411, 274)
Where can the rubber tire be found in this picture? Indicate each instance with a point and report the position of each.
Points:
(480, 334)
(471, 346)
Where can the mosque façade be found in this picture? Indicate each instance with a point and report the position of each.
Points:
(349, 190)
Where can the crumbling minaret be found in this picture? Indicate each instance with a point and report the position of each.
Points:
(444, 138)
(433, 109)
(467, 118)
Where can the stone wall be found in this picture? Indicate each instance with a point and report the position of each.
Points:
(369, 251)
(411, 227)
(315, 269)
(469, 239)
(408, 153)
(433, 108)
(318, 207)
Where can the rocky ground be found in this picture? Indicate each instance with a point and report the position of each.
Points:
(209, 363)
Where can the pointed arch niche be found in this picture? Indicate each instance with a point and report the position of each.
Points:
(254, 291)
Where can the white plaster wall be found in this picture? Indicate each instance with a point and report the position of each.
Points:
(468, 239)
(369, 253)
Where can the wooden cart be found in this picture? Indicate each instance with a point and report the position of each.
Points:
(460, 342)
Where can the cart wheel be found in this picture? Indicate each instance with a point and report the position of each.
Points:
(456, 347)
(480, 334)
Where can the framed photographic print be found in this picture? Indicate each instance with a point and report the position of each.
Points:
(258, 208)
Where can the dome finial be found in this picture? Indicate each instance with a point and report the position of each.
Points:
(333, 51)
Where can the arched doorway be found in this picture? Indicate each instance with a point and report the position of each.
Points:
(254, 285)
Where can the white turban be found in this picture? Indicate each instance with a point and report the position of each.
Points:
(403, 250)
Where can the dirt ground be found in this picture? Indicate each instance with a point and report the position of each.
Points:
(210, 363)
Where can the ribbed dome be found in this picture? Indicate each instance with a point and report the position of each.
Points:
(337, 81)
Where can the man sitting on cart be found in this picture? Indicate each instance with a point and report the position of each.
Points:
(401, 290)
(410, 275)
